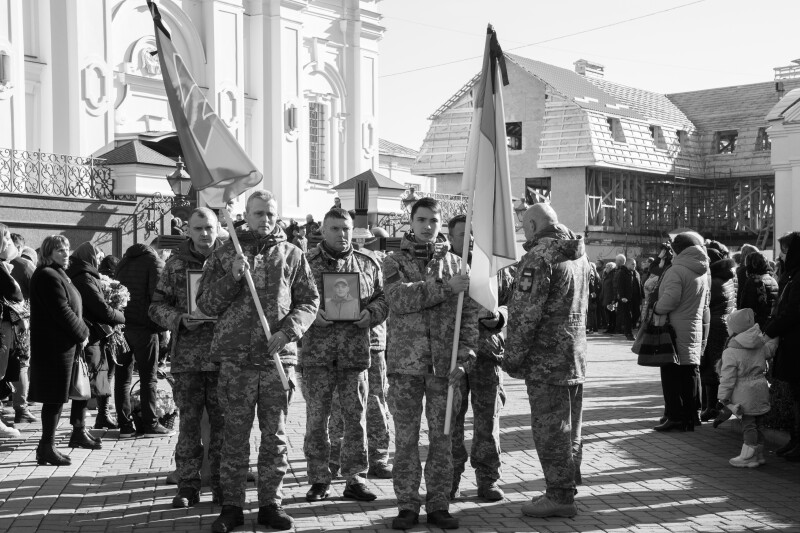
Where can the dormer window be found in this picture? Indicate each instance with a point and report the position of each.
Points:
(683, 137)
(725, 141)
(615, 127)
(763, 142)
(658, 137)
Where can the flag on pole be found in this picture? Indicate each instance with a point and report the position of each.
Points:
(212, 154)
(488, 181)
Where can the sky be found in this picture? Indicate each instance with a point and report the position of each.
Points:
(684, 45)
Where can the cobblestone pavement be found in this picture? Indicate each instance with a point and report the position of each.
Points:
(634, 479)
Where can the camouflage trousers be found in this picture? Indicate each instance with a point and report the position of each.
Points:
(242, 391)
(319, 384)
(485, 384)
(556, 417)
(377, 415)
(194, 392)
(406, 393)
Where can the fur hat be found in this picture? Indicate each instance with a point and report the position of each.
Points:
(686, 239)
(740, 320)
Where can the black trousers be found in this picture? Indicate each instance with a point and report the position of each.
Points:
(681, 387)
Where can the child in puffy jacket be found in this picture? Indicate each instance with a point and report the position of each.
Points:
(743, 387)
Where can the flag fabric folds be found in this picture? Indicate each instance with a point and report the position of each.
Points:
(213, 155)
(488, 181)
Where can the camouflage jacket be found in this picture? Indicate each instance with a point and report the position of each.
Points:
(547, 313)
(344, 342)
(422, 313)
(285, 287)
(377, 335)
(491, 341)
(191, 351)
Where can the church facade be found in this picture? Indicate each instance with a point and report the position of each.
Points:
(295, 81)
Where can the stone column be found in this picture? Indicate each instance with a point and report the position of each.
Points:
(12, 90)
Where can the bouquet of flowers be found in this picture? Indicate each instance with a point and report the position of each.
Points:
(115, 293)
(166, 409)
(117, 296)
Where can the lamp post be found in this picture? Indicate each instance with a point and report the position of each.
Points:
(181, 184)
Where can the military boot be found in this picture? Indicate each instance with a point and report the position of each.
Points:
(230, 517)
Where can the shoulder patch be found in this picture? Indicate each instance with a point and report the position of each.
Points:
(391, 272)
(525, 280)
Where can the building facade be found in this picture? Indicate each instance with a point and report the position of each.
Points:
(624, 165)
(295, 81)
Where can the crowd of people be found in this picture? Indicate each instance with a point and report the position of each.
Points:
(384, 359)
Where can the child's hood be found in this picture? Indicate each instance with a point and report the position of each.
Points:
(748, 339)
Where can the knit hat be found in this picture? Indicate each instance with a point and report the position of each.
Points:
(686, 239)
(740, 320)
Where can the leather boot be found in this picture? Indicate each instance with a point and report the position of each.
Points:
(104, 420)
(79, 439)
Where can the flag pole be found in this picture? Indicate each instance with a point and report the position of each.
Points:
(448, 414)
(275, 357)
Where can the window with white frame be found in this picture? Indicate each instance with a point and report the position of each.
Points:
(317, 140)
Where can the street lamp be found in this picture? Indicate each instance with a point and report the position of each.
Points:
(181, 183)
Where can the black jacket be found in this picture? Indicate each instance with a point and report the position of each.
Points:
(785, 323)
(139, 271)
(86, 279)
(57, 328)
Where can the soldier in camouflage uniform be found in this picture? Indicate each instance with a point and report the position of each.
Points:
(547, 347)
(194, 368)
(336, 356)
(248, 379)
(422, 283)
(485, 383)
(378, 436)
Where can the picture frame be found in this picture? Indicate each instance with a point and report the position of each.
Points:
(341, 305)
(192, 284)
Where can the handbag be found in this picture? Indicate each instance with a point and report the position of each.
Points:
(655, 345)
(79, 386)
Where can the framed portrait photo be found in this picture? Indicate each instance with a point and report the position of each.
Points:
(340, 292)
(192, 283)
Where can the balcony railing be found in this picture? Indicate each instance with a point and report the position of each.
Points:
(55, 175)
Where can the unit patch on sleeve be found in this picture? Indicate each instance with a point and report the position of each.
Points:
(526, 280)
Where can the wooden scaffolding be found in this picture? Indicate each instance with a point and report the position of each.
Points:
(723, 207)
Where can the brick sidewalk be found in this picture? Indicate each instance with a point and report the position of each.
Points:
(634, 478)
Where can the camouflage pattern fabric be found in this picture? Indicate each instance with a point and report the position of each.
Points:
(192, 349)
(345, 342)
(423, 310)
(406, 393)
(318, 386)
(285, 286)
(378, 436)
(485, 385)
(547, 312)
(556, 418)
(241, 391)
(194, 392)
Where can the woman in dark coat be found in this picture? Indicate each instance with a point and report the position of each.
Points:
(57, 332)
(760, 289)
(83, 272)
(724, 286)
(785, 325)
(11, 294)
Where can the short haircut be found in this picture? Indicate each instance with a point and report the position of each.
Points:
(337, 212)
(427, 202)
(204, 212)
(19, 240)
(266, 196)
(50, 245)
(458, 219)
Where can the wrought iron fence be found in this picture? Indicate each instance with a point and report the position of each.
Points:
(40, 173)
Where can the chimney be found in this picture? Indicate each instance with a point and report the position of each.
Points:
(590, 69)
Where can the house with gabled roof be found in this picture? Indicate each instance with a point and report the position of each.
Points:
(624, 165)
